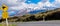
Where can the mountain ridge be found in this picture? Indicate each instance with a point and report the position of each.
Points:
(48, 15)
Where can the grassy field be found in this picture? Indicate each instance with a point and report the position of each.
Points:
(9, 24)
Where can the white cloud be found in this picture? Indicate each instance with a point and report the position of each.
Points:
(57, 3)
(9, 1)
(40, 5)
(20, 4)
(29, 1)
(12, 1)
(31, 7)
(17, 7)
(48, 4)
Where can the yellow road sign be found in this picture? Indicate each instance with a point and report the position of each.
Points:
(0, 8)
(4, 7)
(5, 15)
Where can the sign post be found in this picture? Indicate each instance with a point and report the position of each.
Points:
(6, 22)
(5, 13)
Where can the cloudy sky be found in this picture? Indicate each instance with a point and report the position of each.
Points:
(25, 6)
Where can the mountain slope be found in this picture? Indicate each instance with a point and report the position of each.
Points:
(48, 15)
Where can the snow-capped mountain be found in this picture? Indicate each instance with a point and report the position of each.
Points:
(33, 11)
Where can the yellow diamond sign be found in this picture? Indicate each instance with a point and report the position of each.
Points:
(4, 7)
(5, 15)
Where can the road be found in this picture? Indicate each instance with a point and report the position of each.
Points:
(39, 23)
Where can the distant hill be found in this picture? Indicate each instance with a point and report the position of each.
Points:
(37, 11)
(48, 15)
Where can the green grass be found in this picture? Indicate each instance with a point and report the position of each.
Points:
(9, 24)
(0, 24)
(12, 25)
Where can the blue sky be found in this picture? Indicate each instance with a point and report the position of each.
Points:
(25, 6)
(36, 1)
(32, 1)
(51, 1)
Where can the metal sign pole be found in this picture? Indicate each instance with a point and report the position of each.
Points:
(43, 18)
(6, 22)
